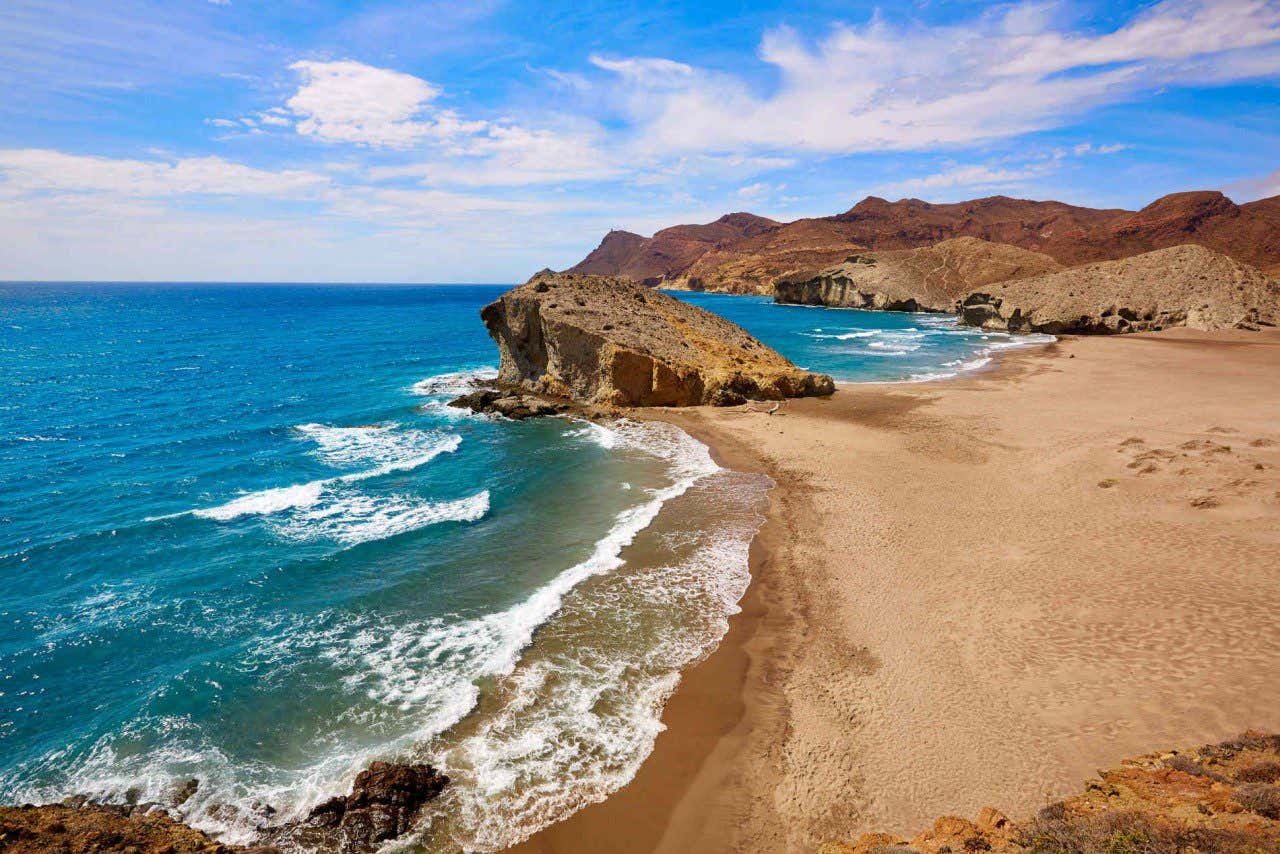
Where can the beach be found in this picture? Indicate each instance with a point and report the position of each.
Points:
(976, 592)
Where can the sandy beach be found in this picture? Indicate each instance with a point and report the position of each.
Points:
(976, 592)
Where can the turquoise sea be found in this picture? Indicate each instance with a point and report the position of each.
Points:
(242, 540)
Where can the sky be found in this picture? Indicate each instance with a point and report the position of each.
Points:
(230, 140)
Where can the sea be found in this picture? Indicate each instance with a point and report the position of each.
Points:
(244, 540)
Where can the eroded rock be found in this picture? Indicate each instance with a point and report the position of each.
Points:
(929, 278)
(1182, 286)
(609, 342)
(385, 801)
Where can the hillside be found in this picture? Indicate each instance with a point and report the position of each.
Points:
(1185, 285)
(749, 255)
(1220, 797)
(929, 278)
(671, 250)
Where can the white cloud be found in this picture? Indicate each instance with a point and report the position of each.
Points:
(960, 176)
(32, 170)
(879, 87)
(985, 176)
(352, 102)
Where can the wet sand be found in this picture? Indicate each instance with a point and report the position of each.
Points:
(976, 592)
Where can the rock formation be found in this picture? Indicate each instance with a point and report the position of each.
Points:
(385, 801)
(1221, 797)
(81, 828)
(930, 278)
(1181, 286)
(751, 261)
(753, 264)
(612, 342)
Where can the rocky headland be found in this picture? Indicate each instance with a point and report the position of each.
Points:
(1181, 286)
(929, 278)
(1220, 797)
(568, 340)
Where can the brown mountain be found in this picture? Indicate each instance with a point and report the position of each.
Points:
(669, 251)
(1068, 233)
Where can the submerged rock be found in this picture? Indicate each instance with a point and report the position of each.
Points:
(610, 342)
(1182, 286)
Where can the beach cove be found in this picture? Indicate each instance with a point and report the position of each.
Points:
(976, 592)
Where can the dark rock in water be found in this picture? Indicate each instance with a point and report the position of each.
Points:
(514, 403)
(184, 791)
(509, 403)
(384, 803)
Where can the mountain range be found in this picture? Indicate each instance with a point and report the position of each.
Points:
(745, 253)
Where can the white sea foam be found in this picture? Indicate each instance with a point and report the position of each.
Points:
(454, 383)
(389, 449)
(578, 716)
(353, 517)
(266, 501)
(548, 750)
(842, 336)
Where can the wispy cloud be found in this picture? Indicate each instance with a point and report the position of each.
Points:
(989, 176)
(881, 86)
(35, 171)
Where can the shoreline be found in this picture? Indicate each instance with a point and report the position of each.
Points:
(731, 771)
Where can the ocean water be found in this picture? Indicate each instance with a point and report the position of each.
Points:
(865, 346)
(243, 540)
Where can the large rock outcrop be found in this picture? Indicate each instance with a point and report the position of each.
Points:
(612, 342)
(1180, 286)
(930, 278)
(385, 802)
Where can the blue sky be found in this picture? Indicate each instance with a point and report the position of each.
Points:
(453, 141)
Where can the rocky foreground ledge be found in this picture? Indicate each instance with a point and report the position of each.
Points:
(569, 341)
(385, 802)
(1221, 798)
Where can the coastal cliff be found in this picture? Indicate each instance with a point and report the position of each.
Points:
(611, 342)
(1181, 286)
(1220, 797)
(929, 278)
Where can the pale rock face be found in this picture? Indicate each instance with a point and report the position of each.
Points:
(611, 342)
(929, 278)
(1181, 286)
